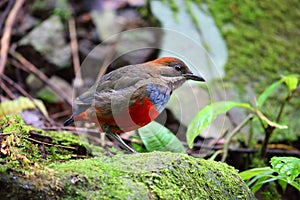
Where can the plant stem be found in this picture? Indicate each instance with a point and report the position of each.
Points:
(250, 137)
(269, 129)
(282, 107)
(233, 133)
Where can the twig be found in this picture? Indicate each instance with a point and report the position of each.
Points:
(269, 129)
(107, 59)
(50, 144)
(6, 11)
(213, 157)
(74, 49)
(233, 133)
(73, 129)
(246, 150)
(23, 92)
(60, 114)
(287, 99)
(31, 68)
(4, 2)
(7, 90)
(5, 40)
(216, 140)
(76, 130)
(4, 134)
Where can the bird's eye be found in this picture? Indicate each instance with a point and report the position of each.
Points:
(178, 67)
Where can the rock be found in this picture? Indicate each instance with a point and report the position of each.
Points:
(205, 45)
(37, 165)
(33, 170)
(33, 82)
(187, 101)
(157, 175)
(136, 46)
(47, 93)
(48, 39)
(106, 23)
(28, 22)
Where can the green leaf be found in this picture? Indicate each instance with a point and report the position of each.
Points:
(263, 96)
(248, 174)
(282, 184)
(258, 184)
(158, 138)
(295, 185)
(291, 81)
(206, 116)
(287, 167)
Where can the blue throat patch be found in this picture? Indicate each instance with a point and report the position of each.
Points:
(159, 95)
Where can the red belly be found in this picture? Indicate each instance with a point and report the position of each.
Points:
(137, 115)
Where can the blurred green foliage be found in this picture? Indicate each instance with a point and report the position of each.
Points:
(256, 113)
(262, 38)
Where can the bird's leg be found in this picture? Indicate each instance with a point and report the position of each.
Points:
(120, 141)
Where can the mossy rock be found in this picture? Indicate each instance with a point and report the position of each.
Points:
(25, 174)
(156, 175)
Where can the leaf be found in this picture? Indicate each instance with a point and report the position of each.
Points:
(263, 96)
(287, 167)
(295, 185)
(291, 81)
(248, 174)
(258, 184)
(259, 177)
(18, 105)
(282, 184)
(158, 138)
(206, 116)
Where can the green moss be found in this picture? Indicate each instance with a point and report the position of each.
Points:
(156, 175)
(27, 174)
(263, 42)
(22, 152)
(94, 179)
(261, 39)
(14, 146)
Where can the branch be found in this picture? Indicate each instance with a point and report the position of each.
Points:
(7, 90)
(26, 94)
(246, 150)
(74, 48)
(31, 68)
(5, 40)
(233, 133)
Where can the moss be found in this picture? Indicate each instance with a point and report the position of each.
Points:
(156, 175)
(261, 39)
(94, 179)
(263, 43)
(24, 148)
(14, 146)
(27, 174)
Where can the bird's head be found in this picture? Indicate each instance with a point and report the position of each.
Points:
(174, 71)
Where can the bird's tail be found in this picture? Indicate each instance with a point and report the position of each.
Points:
(69, 121)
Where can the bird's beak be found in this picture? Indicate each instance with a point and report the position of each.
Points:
(194, 77)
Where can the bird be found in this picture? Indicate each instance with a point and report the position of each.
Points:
(132, 96)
